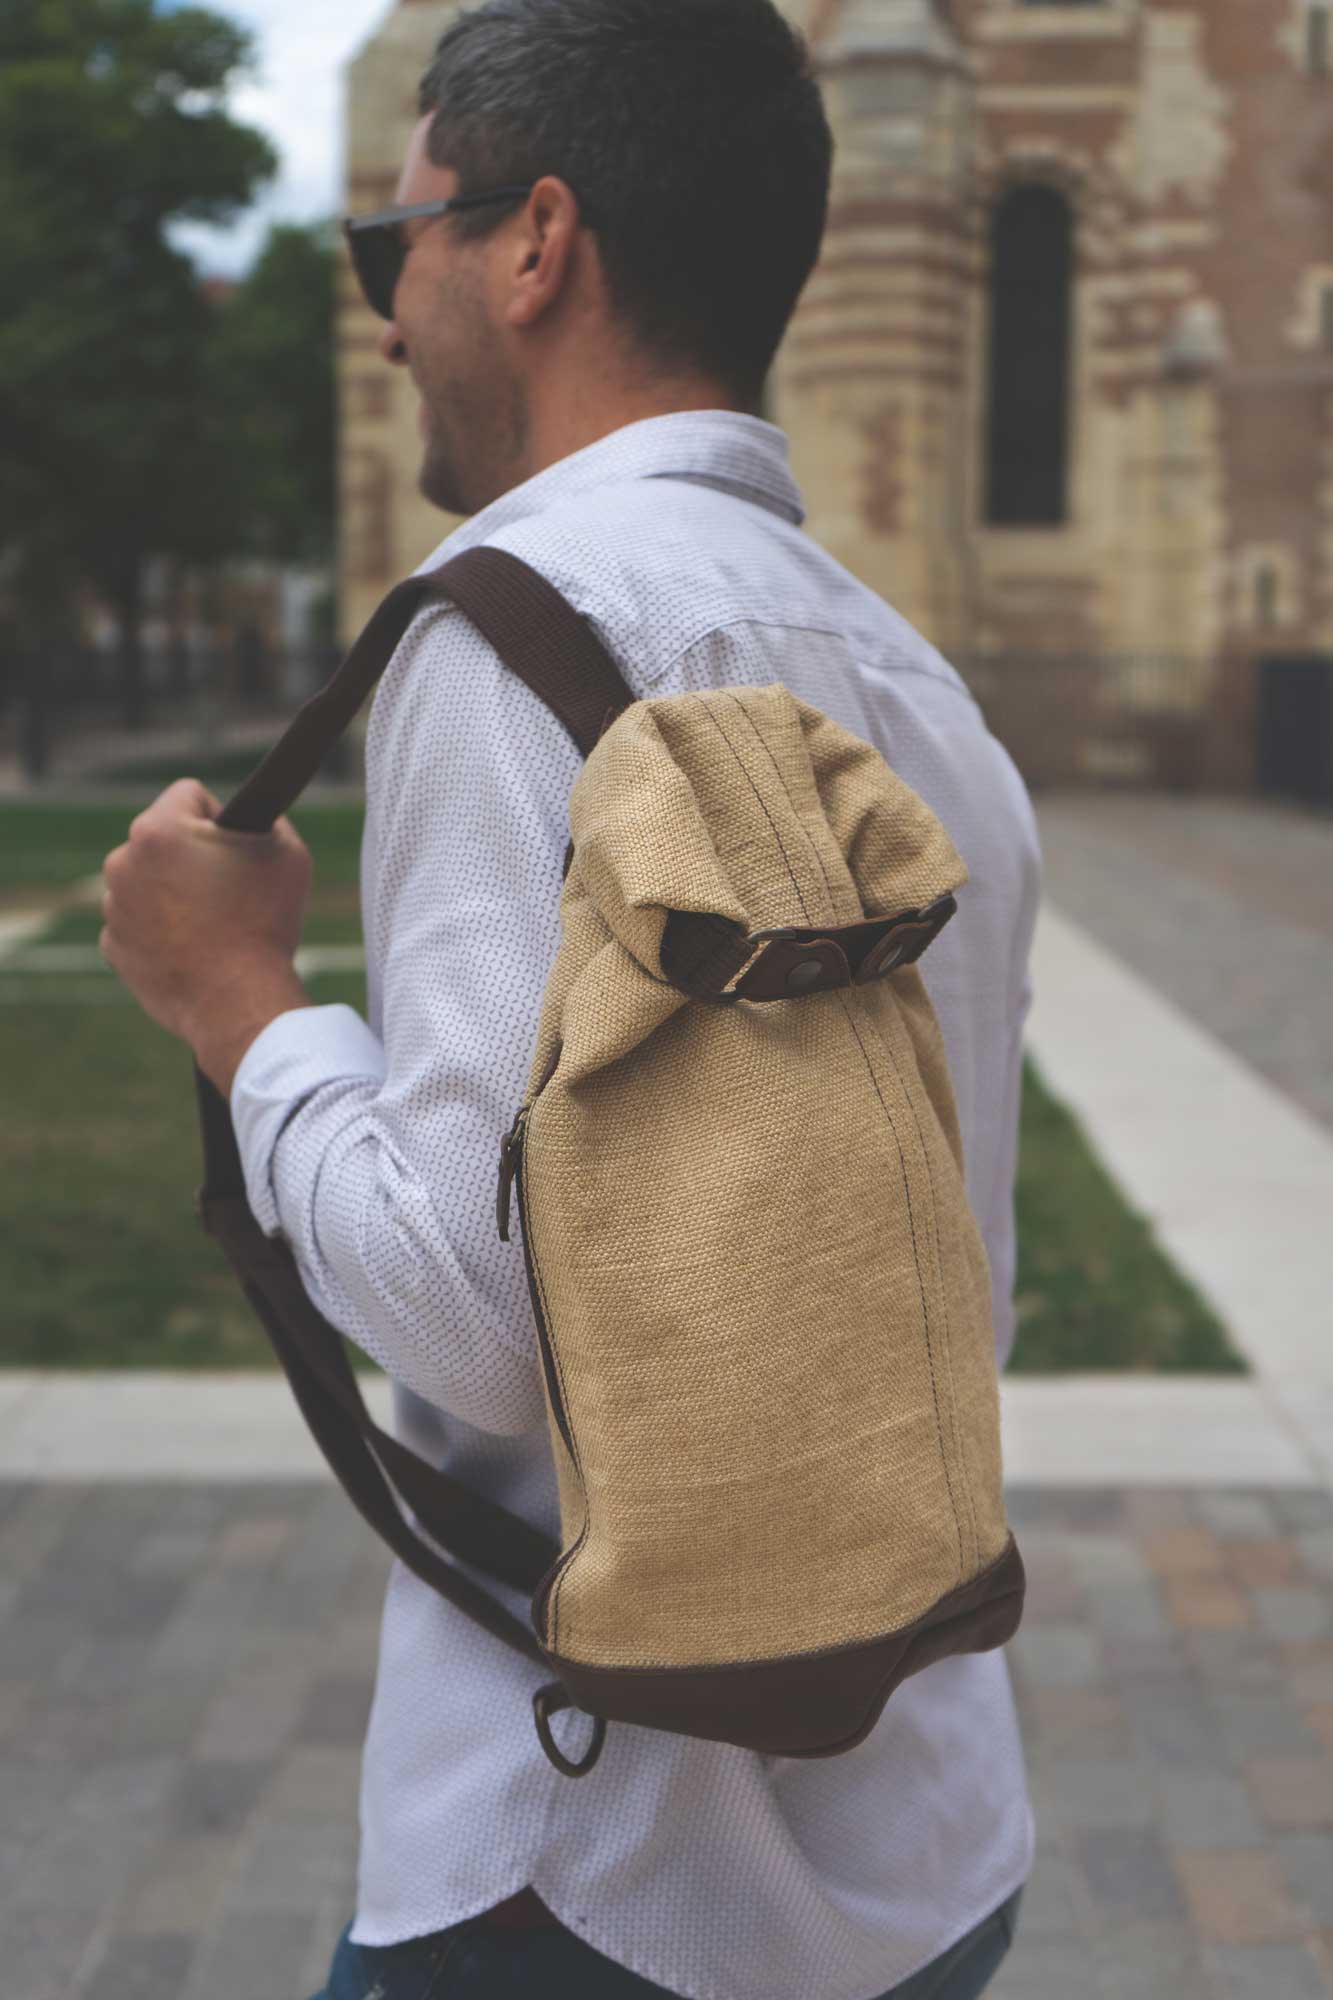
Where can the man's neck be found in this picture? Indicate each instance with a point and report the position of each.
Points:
(562, 426)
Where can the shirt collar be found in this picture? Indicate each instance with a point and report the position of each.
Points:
(725, 449)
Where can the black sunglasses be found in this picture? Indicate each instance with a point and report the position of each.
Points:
(379, 248)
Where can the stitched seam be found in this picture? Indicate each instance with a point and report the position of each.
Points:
(887, 669)
(911, 1220)
(921, 1286)
(944, 1294)
(810, 839)
(762, 806)
(934, 1205)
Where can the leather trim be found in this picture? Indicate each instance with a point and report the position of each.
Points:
(802, 1706)
(701, 953)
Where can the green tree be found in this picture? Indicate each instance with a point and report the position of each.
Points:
(273, 378)
(113, 125)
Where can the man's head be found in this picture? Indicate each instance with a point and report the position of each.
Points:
(676, 158)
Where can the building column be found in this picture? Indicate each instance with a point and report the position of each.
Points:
(871, 383)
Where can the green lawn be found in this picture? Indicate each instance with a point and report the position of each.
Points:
(1093, 1290)
(103, 1262)
(332, 917)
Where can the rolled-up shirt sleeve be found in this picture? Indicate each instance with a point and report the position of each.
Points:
(375, 1154)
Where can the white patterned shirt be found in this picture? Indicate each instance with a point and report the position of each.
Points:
(373, 1147)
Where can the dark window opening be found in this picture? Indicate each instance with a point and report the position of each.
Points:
(1266, 595)
(1032, 271)
(1317, 39)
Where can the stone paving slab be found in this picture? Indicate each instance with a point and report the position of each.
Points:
(185, 1674)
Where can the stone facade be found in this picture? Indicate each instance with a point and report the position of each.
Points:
(1193, 143)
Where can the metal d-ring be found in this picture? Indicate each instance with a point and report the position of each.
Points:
(548, 1701)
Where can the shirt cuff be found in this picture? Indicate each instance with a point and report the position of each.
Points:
(287, 1062)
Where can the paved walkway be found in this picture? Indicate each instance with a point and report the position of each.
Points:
(186, 1678)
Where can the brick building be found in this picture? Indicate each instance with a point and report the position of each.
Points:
(1061, 387)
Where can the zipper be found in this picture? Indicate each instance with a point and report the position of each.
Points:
(511, 1173)
(511, 1177)
(511, 1148)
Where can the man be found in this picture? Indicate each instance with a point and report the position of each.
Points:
(590, 353)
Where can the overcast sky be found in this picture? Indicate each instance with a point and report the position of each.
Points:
(295, 97)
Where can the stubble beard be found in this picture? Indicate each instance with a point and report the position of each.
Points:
(477, 431)
(438, 479)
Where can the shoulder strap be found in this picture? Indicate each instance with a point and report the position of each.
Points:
(532, 626)
(540, 637)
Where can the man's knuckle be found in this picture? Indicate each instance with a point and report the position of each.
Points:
(146, 835)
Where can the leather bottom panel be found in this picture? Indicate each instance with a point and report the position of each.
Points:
(817, 1705)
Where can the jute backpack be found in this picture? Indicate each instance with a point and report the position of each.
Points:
(761, 1300)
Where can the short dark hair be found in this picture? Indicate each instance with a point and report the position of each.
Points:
(694, 137)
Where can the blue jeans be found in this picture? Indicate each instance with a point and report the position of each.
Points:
(470, 1962)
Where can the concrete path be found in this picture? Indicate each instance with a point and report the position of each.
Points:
(1091, 1430)
(1234, 1176)
(1224, 906)
(186, 1675)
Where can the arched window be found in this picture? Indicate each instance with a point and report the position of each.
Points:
(1032, 275)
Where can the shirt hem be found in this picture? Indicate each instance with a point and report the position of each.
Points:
(662, 1976)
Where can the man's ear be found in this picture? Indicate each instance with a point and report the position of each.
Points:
(551, 223)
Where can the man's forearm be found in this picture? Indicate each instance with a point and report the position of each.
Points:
(239, 1015)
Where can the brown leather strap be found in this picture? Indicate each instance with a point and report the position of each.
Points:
(542, 638)
(535, 630)
(702, 954)
(473, 1528)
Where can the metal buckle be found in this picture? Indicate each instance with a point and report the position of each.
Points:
(881, 959)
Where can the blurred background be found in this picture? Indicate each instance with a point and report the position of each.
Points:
(1061, 386)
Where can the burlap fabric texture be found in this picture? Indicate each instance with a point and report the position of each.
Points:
(763, 1300)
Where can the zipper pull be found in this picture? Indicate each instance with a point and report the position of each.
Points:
(511, 1148)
